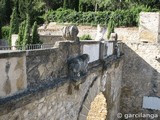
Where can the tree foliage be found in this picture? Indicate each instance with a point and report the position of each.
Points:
(124, 12)
(5, 32)
(13, 25)
(86, 37)
(0, 30)
(35, 35)
(5, 10)
(129, 17)
(26, 39)
(65, 5)
(19, 42)
(110, 27)
(35, 8)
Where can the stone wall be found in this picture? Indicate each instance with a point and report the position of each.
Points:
(13, 77)
(50, 39)
(112, 89)
(149, 27)
(124, 34)
(43, 89)
(56, 104)
(141, 77)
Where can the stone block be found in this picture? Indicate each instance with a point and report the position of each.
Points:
(14, 39)
(92, 50)
(149, 27)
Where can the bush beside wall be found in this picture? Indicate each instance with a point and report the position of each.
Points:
(126, 18)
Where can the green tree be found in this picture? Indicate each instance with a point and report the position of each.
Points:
(21, 34)
(53, 4)
(13, 25)
(6, 10)
(65, 6)
(110, 28)
(75, 4)
(0, 30)
(80, 8)
(35, 8)
(26, 38)
(35, 35)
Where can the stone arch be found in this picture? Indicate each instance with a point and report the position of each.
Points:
(94, 90)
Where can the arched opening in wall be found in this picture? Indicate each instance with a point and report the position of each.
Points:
(98, 108)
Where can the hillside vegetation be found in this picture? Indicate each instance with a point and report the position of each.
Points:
(18, 15)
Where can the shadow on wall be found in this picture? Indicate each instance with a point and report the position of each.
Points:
(141, 78)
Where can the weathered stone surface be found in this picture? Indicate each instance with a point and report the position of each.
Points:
(14, 38)
(45, 87)
(13, 75)
(78, 66)
(100, 33)
(50, 39)
(57, 104)
(149, 27)
(124, 34)
(92, 51)
(141, 77)
(114, 37)
(70, 33)
(7, 87)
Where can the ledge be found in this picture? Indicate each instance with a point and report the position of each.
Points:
(7, 54)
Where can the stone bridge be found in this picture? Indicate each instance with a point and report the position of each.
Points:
(35, 85)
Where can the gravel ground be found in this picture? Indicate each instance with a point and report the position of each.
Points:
(98, 109)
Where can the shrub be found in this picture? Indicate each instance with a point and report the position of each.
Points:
(35, 35)
(111, 25)
(5, 32)
(26, 38)
(19, 42)
(136, 10)
(0, 30)
(86, 37)
(129, 17)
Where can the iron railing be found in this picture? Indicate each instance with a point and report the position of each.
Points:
(27, 47)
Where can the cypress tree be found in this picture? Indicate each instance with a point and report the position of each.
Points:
(73, 4)
(1, 16)
(35, 35)
(8, 9)
(76, 5)
(13, 25)
(5, 10)
(80, 5)
(0, 29)
(65, 4)
(110, 27)
(21, 34)
(26, 39)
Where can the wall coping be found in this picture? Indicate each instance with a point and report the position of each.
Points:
(7, 54)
